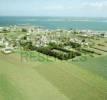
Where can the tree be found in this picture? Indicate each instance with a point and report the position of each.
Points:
(24, 30)
(102, 34)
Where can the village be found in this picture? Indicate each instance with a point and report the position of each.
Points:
(61, 44)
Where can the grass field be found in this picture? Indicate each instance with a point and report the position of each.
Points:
(96, 65)
(56, 80)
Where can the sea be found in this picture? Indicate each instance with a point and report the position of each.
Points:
(79, 23)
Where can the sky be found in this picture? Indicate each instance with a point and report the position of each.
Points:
(75, 8)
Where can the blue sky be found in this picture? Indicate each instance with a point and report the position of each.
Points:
(79, 8)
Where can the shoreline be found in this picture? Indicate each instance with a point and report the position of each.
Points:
(44, 28)
(77, 23)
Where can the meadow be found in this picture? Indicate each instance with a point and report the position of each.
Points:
(22, 79)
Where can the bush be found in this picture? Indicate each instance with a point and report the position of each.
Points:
(73, 44)
(26, 45)
(24, 30)
(62, 54)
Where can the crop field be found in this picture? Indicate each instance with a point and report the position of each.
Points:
(96, 65)
(56, 80)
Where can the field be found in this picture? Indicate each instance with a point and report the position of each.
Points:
(96, 65)
(55, 80)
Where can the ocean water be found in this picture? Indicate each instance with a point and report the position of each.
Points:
(97, 24)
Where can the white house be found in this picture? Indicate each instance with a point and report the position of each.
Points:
(2, 40)
(105, 35)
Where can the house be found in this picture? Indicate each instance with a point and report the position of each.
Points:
(7, 50)
(6, 47)
(105, 35)
(42, 42)
(2, 40)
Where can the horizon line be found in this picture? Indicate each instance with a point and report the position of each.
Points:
(54, 16)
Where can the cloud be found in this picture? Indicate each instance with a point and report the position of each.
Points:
(98, 5)
(54, 7)
(83, 8)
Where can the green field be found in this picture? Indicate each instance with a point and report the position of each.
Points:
(96, 65)
(56, 80)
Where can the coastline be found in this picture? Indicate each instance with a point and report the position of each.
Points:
(95, 24)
